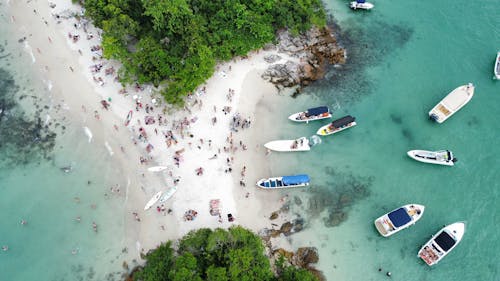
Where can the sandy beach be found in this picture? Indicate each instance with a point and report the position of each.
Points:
(210, 149)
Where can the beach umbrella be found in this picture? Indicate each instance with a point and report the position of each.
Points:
(135, 97)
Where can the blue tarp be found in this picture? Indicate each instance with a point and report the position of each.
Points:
(317, 110)
(294, 180)
(361, 1)
(399, 217)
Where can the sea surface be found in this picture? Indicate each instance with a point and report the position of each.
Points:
(53, 183)
(403, 57)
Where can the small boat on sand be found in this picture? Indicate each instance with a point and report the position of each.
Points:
(496, 69)
(157, 168)
(399, 219)
(442, 243)
(129, 117)
(361, 4)
(153, 200)
(284, 182)
(337, 126)
(169, 193)
(316, 113)
(440, 157)
(452, 103)
(300, 144)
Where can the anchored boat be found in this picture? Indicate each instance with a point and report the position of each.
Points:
(316, 113)
(442, 243)
(284, 182)
(452, 103)
(496, 70)
(441, 157)
(300, 144)
(337, 126)
(361, 4)
(399, 219)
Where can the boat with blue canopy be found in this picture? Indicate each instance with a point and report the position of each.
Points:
(442, 243)
(361, 4)
(316, 113)
(284, 182)
(399, 219)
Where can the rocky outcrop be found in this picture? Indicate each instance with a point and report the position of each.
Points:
(304, 257)
(312, 51)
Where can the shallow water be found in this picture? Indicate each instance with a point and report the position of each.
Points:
(403, 58)
(53, 245)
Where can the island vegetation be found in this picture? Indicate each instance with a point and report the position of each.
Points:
(216, 255)
(176, 43)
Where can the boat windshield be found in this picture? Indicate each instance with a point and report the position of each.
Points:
(445, 241)
(399, 217)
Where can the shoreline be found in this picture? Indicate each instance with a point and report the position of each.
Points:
(65, 65)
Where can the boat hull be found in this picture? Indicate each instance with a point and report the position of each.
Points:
(386, 228)
(277, 183)
(419, 155)
(323, 131)
(295, 117)
(153, 200)
(455, 230)
(496, 69)
(363, 6)
(453, 102)
(301, 144)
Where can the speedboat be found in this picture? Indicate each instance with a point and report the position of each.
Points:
(337, 126)
(300, 144)
(361, 4)
(399, 219)
(496, 70)
(452, 103)
(442, 243)
(441, 157)
(284, 182)
(153, 200)
(316, 113)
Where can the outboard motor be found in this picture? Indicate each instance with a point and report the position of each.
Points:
(454, 160)
(433, 117)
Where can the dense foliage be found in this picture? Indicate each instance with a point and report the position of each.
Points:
(179, 41)
(216, 255)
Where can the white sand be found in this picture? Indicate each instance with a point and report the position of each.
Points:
(66, 65)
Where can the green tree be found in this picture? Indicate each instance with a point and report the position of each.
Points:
(158, 264)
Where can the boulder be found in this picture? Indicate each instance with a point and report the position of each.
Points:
(274, 215)
(305, 256)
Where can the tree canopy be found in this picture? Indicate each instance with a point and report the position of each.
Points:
(177, 42)
(215, 255)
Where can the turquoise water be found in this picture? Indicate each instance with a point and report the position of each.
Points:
(405, 56)
(53, 245)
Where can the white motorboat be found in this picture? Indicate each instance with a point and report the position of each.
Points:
(337, 126)
(157, 168)
(300, 144)
(441, 157)
(399, 219)
(361, 4)
(496, 70)
(311, 114)
(284, 182)
(442, 243)
(168, 194)
(153, 200)
(452, 103)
